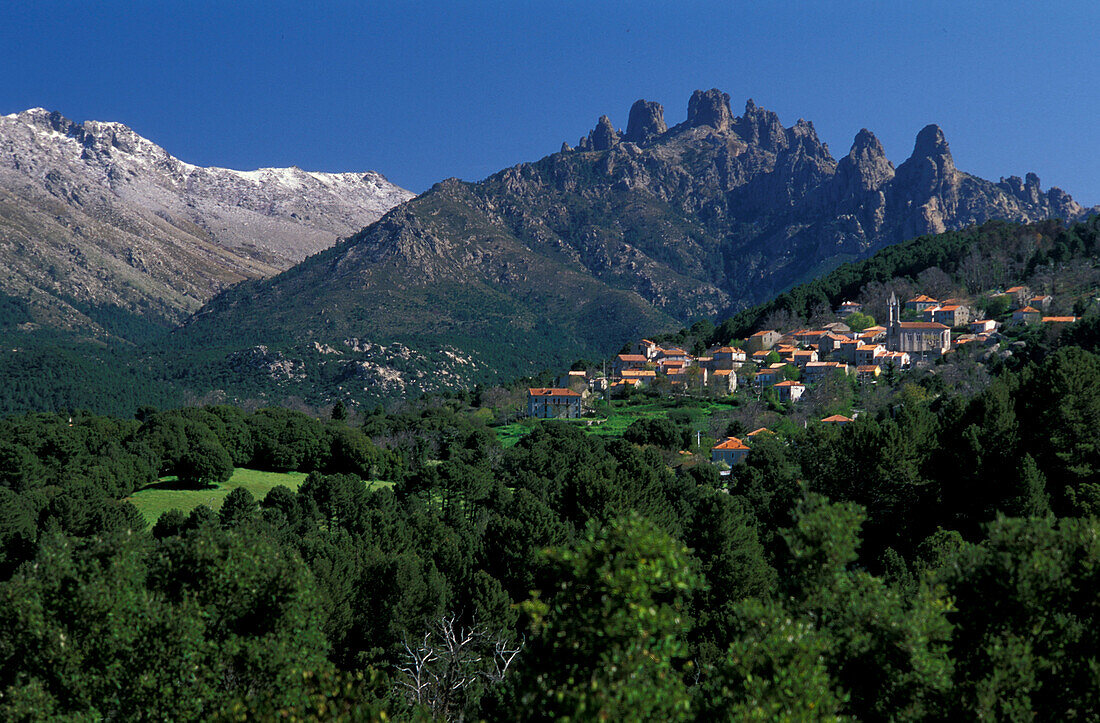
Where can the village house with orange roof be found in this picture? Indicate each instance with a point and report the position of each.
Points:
(982, 326)
(868, 354)
(730, 451)
(1020, 293)
(628, 361)
(759, 357)
(920, 303)
(872, 334)
(1027, 315)
(1042, 303)
(802, 357)
(672, 354)
(553, 403)
(814, 372)
(726, 357)
(948, 315)
(789, 391)
(762, 340)
(897, 359)
(839, 419)
(828, 343)
(646, 348)
(723, 381)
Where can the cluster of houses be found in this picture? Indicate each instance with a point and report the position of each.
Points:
(732, 450)
(787, 362)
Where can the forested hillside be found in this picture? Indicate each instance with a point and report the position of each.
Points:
(1046, 256)
(48, 372)
(936, 559)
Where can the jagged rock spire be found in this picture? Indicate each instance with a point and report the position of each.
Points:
(710, 108)
(647, 120)
(929, 167)
(866, 166)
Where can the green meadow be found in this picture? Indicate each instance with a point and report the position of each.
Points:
(165, 494)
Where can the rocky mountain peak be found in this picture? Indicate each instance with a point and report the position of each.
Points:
(44, 119)
(710, 108)
(604, 136)
(647, 120)
(601, 138)
(761, 127)
(930, 167)
(866, 166)
(931, 143)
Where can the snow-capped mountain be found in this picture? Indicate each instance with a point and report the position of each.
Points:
(94, 216)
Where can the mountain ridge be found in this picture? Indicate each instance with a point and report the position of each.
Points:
(563, 257)
(94, 214)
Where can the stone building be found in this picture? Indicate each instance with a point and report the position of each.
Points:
(917, 338)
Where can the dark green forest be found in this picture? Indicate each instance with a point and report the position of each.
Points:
(936, 559)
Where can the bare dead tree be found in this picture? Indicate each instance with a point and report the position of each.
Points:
(449, 667)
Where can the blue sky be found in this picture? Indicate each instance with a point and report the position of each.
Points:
(423, 91)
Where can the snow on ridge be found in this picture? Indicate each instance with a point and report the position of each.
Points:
(140, 148)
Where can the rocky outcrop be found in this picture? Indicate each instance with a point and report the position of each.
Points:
(647, 121)
(865, 168)
(603, 137)
(710, 108)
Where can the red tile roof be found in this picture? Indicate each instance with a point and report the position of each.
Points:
(1060, 319)
(789, 384)
(922, 325)
(551, 392)
(837, 418)
(922, 299)
(731, 443)
(632, 358)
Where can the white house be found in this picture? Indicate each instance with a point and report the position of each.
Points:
(552, 403)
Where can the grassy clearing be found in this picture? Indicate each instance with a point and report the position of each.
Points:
(621, 416)
(163, 495)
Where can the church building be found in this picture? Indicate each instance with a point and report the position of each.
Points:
(923, 339)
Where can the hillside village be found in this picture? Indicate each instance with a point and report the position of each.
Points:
(781, 364)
